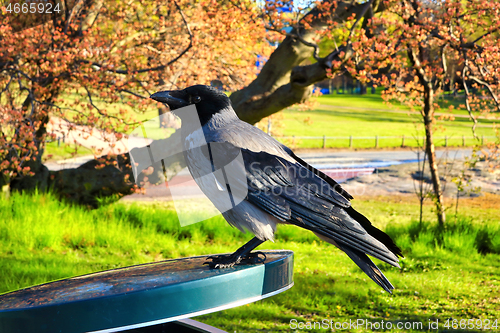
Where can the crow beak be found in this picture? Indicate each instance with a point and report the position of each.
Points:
(174, 99)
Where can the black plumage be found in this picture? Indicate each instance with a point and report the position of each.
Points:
(280, 187)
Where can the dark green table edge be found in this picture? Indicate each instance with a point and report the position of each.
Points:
(236, 286)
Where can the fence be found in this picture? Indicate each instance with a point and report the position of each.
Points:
(395, 141)
(405, 141)
(58, 139)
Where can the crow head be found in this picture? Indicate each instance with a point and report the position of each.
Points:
(208, 100)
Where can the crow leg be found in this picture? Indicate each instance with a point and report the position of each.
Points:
(240, 256)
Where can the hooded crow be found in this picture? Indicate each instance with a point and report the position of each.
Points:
(271, 185)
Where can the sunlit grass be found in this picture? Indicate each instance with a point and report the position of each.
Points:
(340, 116)
(447, 273)
(55, 151)
(368, 116)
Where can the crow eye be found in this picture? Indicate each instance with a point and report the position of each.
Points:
(196, 99)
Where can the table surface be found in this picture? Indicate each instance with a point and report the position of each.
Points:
(142, 295)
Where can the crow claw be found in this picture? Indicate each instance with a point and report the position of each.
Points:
(253, 258)
(226, 261)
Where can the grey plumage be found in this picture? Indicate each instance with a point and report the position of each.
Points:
(278, 187)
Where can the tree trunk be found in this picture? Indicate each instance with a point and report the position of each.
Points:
(41, 174)
(282, 81)
(90, 181)
(431, 153)
(428, 117)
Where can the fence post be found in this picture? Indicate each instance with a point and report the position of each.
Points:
(446, 140)
(463, 140)
(350, 141)
(64, 137)
(403, 141)
(324, 141)
(482, 140)
(376, 141)
(59, 141)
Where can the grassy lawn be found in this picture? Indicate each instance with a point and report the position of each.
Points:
(369, 116)
(446, 273)
(63, 151)
(342, 116)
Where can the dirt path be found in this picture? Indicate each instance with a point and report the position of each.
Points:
(404, 179)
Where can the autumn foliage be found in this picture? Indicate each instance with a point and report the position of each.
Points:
(418, 50)
(74, 66)
(427, 48)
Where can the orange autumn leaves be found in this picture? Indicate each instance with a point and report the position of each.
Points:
(98, 64)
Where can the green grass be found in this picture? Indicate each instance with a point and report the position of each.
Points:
(62, 151)
(453, 272)
(342, 116)
(369, 116)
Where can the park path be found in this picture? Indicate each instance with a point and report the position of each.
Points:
(340, 165)
(353, 168)
(356, 170)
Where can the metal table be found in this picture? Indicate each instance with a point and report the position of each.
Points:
(143, 297)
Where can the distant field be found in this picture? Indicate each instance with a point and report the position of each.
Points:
(55, 151)
(359, 116)
(447, 273)
(368, 116)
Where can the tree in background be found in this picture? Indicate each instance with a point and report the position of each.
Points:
(415, 41)
(93, 62)
(405, 46)
(401, 44)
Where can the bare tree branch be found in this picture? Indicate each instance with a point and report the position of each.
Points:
(483, 83)
(467, 96)
(71, 14)
(367, 5)
(152, 69)
(89, 95)
(471, 45)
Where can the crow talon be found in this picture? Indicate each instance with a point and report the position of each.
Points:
(227, 261)
(254, 258)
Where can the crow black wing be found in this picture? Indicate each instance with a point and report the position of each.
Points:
(294, 194)
(360, 218)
